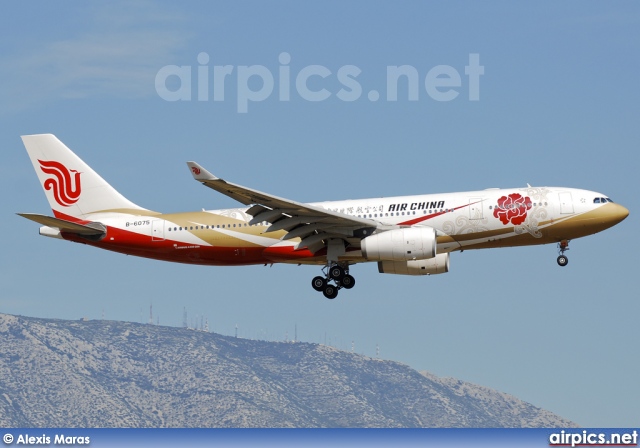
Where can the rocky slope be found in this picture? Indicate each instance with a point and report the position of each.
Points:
(56, 373)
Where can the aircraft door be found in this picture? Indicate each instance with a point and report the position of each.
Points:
(566, 203)
(475, 208)
(157, 230)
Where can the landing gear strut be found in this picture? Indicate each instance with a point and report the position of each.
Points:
(336, 273)
(562, 247)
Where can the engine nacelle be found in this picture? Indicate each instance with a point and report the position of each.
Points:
(437, 265)
(412, 243)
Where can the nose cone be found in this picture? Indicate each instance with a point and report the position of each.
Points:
(615, 213)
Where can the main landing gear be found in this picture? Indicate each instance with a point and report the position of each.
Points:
(339, 275)
(562, 247)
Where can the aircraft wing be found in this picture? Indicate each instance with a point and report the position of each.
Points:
(312, 224)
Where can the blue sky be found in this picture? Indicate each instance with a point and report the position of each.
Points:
(558, 105)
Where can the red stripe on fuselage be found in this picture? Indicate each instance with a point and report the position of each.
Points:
(140, 245)
(432, 215)
(69, 218)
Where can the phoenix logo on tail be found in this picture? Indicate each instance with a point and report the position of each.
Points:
(65, 190)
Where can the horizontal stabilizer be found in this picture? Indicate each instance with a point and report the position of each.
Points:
(94, 228)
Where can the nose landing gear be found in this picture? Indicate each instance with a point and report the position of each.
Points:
(338, 274)
(562, 258)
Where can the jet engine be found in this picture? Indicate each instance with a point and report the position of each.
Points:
(412, 243)
(437, 265)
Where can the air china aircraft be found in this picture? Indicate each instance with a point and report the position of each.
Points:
(407, 235)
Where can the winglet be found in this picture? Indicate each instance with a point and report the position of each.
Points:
(199, 173)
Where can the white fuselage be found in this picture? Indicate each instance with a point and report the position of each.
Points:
(466, 220)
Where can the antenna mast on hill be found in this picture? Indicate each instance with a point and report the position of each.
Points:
(151, 314)
(184, 318)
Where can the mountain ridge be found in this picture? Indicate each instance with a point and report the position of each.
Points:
(96, 373)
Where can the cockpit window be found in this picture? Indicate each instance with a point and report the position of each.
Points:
(608, 199)
(601, 200)
(596, 201)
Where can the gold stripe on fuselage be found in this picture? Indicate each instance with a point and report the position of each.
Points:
(208, 227)
(550, 231)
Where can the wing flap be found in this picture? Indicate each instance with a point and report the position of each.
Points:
(304, 230)
(268, 215)
(289, 223)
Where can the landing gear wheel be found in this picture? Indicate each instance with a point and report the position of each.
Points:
(563, 246)
(336, 272)
(348, 282)
(330, 291)
(318, 283)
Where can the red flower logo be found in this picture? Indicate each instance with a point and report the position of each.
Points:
(512, 209)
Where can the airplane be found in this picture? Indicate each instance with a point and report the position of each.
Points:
(407, 235)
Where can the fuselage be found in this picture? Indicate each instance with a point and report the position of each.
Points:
(405, 235)
(467, 220)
